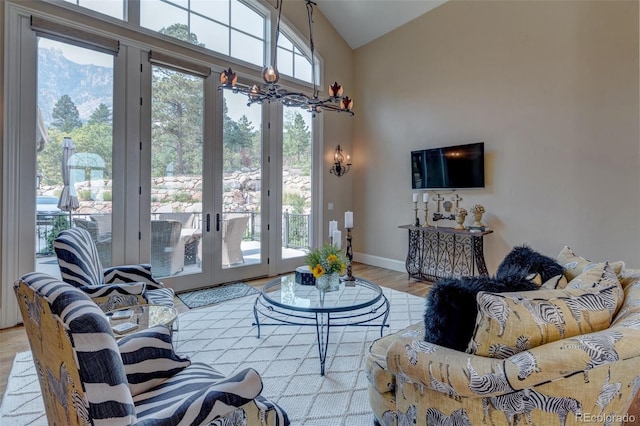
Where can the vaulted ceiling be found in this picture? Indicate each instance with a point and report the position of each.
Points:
(362, 21)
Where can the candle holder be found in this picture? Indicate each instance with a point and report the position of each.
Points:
(426, 214)
(415, 209)
(349, 278)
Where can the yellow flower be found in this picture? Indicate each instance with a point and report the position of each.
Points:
(318, 271)
(342, 268)
(332, 258)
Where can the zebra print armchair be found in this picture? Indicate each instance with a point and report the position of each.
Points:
(110, 288)
(584, 377)
(86, 377)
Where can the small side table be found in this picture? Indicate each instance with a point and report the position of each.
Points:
(145, 316)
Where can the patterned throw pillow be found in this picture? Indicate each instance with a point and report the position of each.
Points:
(450, 306)
(559, 281)
(508, 323)
(575, 265)
(149, 358)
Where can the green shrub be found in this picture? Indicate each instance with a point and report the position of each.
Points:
(84, 195)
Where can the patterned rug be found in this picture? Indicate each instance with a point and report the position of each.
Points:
(286, 358)
(218, 294)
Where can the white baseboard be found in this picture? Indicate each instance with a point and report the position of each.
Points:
(380, 262)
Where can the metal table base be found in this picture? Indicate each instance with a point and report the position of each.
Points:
(374, 315)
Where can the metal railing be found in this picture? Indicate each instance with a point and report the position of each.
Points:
(296, 228)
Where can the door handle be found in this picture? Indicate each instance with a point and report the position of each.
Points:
(208, 222)
(218, 221)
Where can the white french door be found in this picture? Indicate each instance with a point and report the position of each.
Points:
(241, 181)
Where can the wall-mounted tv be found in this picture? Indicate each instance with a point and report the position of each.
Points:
(451, 167)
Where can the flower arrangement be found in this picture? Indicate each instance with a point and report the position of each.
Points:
(477, 209)
(326, 260)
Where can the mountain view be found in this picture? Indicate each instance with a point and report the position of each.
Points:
(87, 85)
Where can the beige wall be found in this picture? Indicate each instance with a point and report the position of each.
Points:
(552, 90)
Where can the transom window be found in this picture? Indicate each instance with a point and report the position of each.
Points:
(292, 61)
(113, 8)
(230, 27)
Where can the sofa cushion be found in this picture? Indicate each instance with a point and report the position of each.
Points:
(574, 265)
(524, 261)
(149, 358)
(512, 322)
(451, 309)
(559, 281)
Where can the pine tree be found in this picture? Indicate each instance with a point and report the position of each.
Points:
(101, 115)
(65, 115)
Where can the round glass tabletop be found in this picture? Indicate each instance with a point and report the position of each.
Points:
(286, 293)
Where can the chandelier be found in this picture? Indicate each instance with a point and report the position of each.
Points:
(271, 91)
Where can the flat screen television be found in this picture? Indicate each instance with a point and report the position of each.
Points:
(451, 167)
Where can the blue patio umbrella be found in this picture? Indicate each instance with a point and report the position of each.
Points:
(68, 199)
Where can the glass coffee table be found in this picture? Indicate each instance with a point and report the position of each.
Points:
(358, 303)
(142, 317)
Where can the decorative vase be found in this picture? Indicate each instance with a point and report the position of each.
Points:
(477, 217)
(461, 215)
(477, 211)
(328, 282)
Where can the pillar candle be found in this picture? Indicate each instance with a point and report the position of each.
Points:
(337, 239)
(415, 197)
(333, 226)
(348, 219)
(425, 197)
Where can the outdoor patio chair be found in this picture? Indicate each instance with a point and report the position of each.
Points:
(167, 247)
(233, 233)
(101, 240)
(87, 377)
(111, 288)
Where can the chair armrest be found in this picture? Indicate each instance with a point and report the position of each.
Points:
(462, 374)
(132, 288)
(132, 273)
(442, 369)
(115, 296)
(149, 358)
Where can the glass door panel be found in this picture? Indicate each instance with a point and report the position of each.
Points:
(74, 149)
(177, 126)
(297, 160)
(243, 215)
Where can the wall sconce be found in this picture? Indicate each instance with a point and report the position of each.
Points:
(339, 167)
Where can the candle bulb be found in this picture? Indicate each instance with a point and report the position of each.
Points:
(337, 239)
(348, 219)
(415, 197)
(333, 226)
(425, 197)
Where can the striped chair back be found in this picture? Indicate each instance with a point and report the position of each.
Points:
(81, 374)
(78, 258)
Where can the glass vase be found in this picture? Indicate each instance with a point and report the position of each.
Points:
(328, 282)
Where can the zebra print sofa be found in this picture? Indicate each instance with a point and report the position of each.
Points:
(584, 378)
(86, 377)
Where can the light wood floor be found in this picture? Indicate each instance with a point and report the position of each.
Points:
(14, 340)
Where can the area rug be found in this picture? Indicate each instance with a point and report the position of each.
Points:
(213, 295)
(285, 356)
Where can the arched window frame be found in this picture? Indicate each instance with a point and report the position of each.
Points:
(298, 40)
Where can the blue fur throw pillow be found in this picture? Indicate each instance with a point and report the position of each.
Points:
(451, 310)
(524, 261)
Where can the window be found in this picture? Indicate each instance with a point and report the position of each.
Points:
(292, 61)
(229, 27)
(113, 8)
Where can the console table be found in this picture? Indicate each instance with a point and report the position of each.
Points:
(444, 252)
